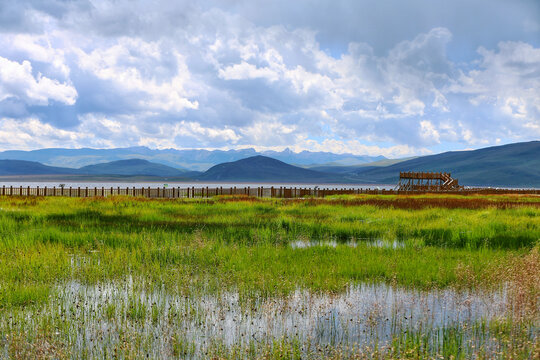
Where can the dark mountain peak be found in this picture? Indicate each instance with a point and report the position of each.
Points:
(264, 169)
(260, 159)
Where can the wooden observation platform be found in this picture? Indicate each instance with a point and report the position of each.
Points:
(427, 181)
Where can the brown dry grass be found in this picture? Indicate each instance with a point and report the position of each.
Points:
(43, 346)
(415, 203)
(523, 278)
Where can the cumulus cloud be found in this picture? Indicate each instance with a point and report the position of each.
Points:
(17, 81)
(31, 133)
(217, 75)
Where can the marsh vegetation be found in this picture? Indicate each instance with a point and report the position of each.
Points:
(238, 277)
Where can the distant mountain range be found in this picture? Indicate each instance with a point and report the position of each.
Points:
(197, 160)
(513, 165)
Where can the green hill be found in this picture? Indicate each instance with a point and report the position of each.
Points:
(265, 169)
(513, 165)
(22, 167)
(118, 169)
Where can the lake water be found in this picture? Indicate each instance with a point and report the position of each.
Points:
(184, 185)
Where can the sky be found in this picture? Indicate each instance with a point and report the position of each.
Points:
(368, 77)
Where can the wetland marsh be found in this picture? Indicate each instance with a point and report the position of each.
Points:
(237, 277)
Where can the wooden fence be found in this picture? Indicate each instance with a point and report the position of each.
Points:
(206, 192)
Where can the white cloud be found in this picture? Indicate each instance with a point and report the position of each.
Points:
(30, 133)
(17, 81)
(428, 132)
(208, 75)
(124, 64)
(244, 71)
(508, 80)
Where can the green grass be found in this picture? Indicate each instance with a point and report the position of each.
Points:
(244, 245)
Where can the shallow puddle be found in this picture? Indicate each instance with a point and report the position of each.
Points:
(379, 243)
(96, 319)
